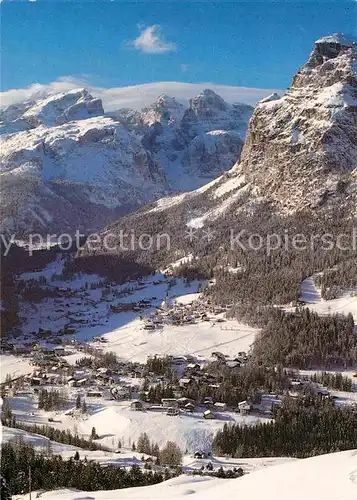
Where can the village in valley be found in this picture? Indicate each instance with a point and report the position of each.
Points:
(110, 362)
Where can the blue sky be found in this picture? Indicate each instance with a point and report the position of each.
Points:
(253, 44)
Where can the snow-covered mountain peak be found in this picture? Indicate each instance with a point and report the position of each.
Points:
(208, 111)
(301, 148)
(56, 109)
(168, 101)
(64, 146)
(272, 97)
(333, 60)
(338, 38)
(208, 102)
(60, 108)
(165, 110)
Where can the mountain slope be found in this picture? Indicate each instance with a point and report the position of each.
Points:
(66, 165)
(75, 175)
(297, 175)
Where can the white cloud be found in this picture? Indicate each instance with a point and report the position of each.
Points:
(151, 41)
(39, 90)
(136, 96)
(184, 68)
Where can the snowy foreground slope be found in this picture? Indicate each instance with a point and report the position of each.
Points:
(326, 477)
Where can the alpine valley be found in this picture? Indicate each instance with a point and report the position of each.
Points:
(206, 338)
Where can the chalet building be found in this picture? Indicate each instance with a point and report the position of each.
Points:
(179, 360)
(193, 367)
(185, 382)
(244, 407)
(104, 371)
(182, 402)
(169, 403)
(218, 355)
(149, 326)
(220, 406)
(36, 381)
(189, 407)
(156, 408)
(94, 394)
(136, 373)
(81, 382)
(208, 415)
(173, 412)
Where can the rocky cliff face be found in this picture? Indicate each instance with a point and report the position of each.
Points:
(300, 152)
(212, 153)
(66, 165)
(208, 111)
(301, 149)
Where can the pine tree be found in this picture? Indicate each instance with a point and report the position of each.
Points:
(171, 454)
(4, 489)
(84, 407)
(143, 444)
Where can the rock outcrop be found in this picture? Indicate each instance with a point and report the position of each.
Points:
(301, 149)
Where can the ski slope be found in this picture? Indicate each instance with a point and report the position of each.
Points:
(311, 295)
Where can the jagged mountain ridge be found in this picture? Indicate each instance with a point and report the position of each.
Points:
(66, 165)
(195, 144)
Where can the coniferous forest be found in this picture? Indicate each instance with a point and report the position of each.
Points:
(19, 462)
(302, 428)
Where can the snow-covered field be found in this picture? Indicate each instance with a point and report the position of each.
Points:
(326, 477)
(127, 457)
(114, 421)
(131, 342)
(312, 296)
